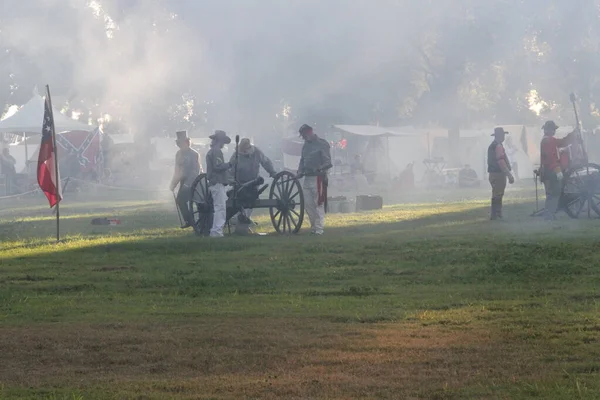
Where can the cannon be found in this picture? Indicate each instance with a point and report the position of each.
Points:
(580, 193)
(285, 202)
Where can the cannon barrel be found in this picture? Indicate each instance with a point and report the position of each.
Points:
(250, 184)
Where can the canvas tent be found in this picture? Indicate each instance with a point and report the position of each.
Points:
(29, 120)
(396, 143)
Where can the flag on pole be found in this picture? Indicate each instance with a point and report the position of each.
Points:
(47, 172)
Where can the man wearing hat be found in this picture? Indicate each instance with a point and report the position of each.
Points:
(187, 168)
(314, 164)
(551, 173)
(499, 170)
(250, 159)
(218, 179)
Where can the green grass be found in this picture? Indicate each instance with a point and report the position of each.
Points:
(420, 300)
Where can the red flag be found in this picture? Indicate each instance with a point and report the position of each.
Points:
(47, 171)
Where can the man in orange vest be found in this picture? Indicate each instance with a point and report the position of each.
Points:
(551, 173)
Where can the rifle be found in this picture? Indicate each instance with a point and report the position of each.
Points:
(580, 142)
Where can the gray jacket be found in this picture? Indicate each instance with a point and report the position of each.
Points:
(216, 167)
(316, 157)
(249, 165)
(188, 161)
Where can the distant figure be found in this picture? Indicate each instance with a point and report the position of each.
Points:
(467, 177)
(406, 179)
(187, 168)
(357, 167)
(499, 170)
(8, 169)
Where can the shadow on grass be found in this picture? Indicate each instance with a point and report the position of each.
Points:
(148, 228)
(448, 237)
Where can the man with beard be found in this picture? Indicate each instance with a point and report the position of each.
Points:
(218, 180)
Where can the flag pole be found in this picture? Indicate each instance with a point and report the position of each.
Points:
(55, 164)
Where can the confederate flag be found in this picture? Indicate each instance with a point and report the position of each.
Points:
(47, 171)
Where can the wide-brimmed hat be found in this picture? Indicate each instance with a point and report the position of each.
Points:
(222, 136)
(245, 146)
(181, 136)
(550, 126)
(499, 131)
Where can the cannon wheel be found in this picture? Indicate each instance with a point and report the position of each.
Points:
(287, 217)
(201, 206)
(581, 191)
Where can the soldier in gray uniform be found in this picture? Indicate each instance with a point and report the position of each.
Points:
(218, 180)
(314, 164)
(187, 168)
(250, 159)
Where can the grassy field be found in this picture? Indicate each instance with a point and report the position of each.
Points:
(417, 301)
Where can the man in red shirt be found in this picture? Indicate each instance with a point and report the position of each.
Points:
(499, 170)
(551, 172)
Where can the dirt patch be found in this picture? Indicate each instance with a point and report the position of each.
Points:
(263, 358)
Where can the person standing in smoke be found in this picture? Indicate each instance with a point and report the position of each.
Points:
(499, 170)
(314, 164)
(218, 180)
(551, 173)
(187, 168)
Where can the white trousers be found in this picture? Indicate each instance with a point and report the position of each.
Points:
(316, 213)
(219, 196)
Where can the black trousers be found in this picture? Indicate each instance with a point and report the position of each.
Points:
(183, 202)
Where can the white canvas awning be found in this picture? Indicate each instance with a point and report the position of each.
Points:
(29, 119)
(377, 131)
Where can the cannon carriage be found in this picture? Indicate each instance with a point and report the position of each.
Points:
(580, 194)
(285, 202)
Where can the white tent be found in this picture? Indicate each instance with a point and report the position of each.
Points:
(397, 148)
(377, 131)
(29, 119)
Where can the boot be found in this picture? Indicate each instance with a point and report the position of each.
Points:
(494, 209)
(499, 209)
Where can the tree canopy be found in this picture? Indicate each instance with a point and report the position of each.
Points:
(255, 66)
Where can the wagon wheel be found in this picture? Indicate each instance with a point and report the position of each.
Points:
(201, 206)
(581, 191)
(288, 215)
